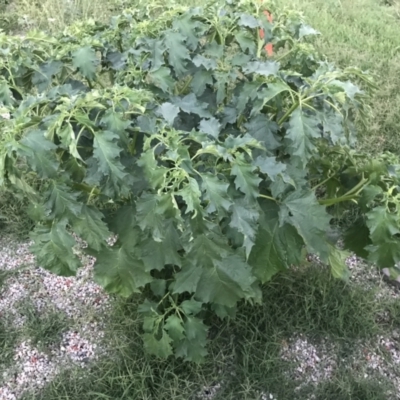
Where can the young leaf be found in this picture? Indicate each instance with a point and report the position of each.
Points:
(160, 348)
(174, 327)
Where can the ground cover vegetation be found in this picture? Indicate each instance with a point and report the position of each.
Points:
(237, 150)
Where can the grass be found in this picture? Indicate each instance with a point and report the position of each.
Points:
(8, 339)
(52, 15)
(364, 33)
(43, 329)
(244, 354)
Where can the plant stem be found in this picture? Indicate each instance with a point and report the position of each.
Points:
(268, 197)
(331, 202)
(323, 182)
(288, 112)
(350, 195)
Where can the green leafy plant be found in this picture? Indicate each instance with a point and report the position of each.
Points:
(214, 166)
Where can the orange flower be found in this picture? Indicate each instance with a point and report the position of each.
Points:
(268, 47)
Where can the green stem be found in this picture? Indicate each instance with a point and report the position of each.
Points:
(166, 295)
(268, 197)
(323, 182)
(288, 112)
(360, 185)
(331, 202)
(186, 85)
(350, 195)
(284, 55)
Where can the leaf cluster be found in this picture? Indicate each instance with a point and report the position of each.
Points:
(215, 166)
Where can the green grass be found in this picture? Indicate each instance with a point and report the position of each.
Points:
(244, 353)
(8, 339)
(13, 216)
(364, 33)
(43, 328)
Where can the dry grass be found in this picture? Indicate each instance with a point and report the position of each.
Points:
(54, 15)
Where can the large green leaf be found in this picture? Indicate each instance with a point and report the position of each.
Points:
(187, 279)
(191, 105)
(91, 227)
(226, 281)
(62, 202)
(356, 238)
(302, 210)
(159, 347)
(191, 196)
(157, 254)
(244, 219)
(303, 129)
(193, 348)
(385, 255)
(42, 78)
(246, 179)
(177, 51)
(264, 130)
(216, 194)
(53, 247)
(106, 152)
(151, 211)
(118, 269)
(41, 152)
(86, 61)
(383, 224)
(276, 247)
